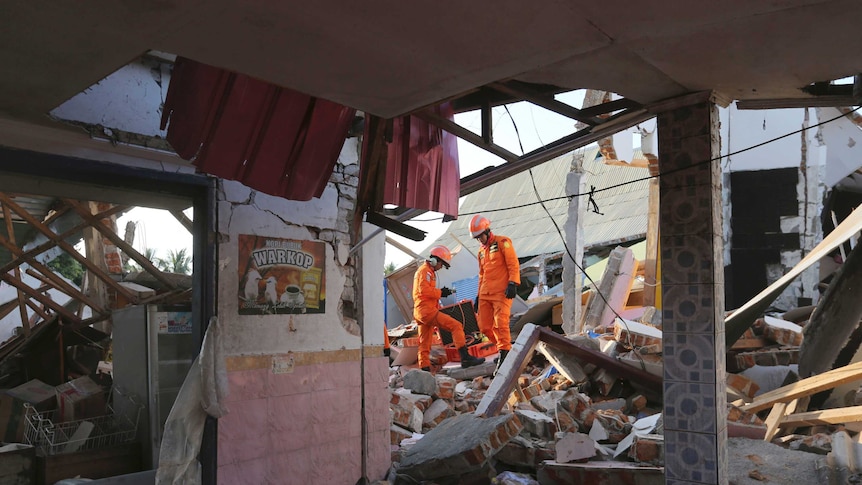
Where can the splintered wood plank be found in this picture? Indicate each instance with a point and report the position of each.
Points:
(773, 421)
(806, 387)
(851, 414)
(743, 317)
(651, 260)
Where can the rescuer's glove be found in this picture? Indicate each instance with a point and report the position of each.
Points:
(444, 292)
(511, 290)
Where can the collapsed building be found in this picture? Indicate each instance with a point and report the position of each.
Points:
(595, 394)
(175, 106)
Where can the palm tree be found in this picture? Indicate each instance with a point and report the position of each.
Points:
(178, 261)
(150, 254)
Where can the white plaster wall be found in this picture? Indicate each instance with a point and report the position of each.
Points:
(843, 142)
(244, 211)
(129, 99)
(742, 129)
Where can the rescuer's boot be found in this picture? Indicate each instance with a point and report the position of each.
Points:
(468, 360)
(503, 354)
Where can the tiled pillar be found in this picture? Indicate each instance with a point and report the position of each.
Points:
(695, 416)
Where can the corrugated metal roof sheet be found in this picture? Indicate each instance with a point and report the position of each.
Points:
(623, 208)
(422, 169)
(272, 139)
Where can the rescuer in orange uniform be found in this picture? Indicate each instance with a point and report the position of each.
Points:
(499, 277)
(426, 309)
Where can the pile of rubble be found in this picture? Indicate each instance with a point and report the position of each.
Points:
(565, 413)
(586, 407)
(554, 420)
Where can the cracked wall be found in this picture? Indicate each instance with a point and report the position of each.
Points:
(306, 390)
(773, 198)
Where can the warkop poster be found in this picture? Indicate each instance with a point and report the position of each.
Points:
(281, 276)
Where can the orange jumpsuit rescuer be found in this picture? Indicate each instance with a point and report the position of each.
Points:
(499, 277)
(426, 309)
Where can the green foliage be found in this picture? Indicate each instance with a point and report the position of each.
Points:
(178, 261)
(132, 267)
(389, 268)
(68, 267)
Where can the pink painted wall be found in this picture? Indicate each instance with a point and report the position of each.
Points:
(305, 427)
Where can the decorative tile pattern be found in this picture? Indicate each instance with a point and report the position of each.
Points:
(693, 256)
(689, 406)
(691, 456)
(691, 358)
(293, 467)
(691, 308)
(692, 295)
(379, 454)
(296, 382)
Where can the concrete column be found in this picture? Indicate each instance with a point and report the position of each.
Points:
(574, 227)
(695, 416)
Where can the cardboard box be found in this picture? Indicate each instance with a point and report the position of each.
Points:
(12, 411)
(37, 393)
(81, 398)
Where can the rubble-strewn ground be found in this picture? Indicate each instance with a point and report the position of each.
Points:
(772, 463)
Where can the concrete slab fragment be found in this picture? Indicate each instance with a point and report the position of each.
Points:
(458, 445)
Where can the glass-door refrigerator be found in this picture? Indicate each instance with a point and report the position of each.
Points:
(153, 349)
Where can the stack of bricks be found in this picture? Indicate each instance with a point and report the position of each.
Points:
(744, 385)
(633, 335)
(782, 332)
(737, 415)
(767, 357)
(648, 449)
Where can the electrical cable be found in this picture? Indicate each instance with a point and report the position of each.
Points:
(642, 179)
(593, 191)
(571, 256)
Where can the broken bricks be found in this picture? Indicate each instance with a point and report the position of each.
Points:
(458, 445)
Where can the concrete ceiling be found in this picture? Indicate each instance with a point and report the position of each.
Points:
(389, 58)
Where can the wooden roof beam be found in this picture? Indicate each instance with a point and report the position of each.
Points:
(66, 247)
(118, 241)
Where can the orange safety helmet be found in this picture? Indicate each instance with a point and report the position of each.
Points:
(478, 225)
(442, 254)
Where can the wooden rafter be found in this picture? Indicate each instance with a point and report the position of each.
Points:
(182, 219)
(51, 243)
(55, 280)
(45, 300)
(47, 232)
(145, 263)
(466, 135)
(6, 308)
(523, 91)
(69, 290)
(22, 308)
